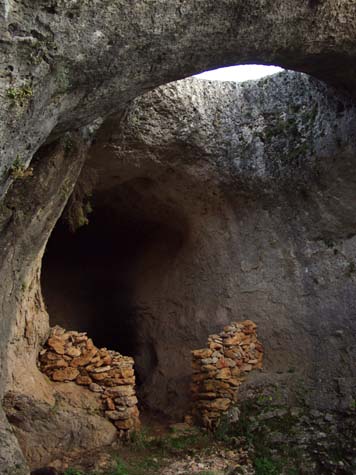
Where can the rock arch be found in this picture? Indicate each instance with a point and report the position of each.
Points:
(63, 65)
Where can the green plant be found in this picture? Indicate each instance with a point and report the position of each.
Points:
(264, 399)
(351, 269)
(181, 442)
(72, 471)
(68, 143)
(18, 169)
(82, 219)
(329, 242)
(143, 467)
(266, 466)
(178, 442)
(120, 469)
(223, 430)
(141, 439)
(20, 95)
(79, 205)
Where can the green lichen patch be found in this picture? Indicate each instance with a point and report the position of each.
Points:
(21, 95)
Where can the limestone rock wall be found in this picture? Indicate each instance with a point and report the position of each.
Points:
(258, 179)
(25, 227)
(248, 193)
(68, 63)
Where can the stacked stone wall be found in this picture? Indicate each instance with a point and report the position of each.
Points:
(72, 356)
(220, 368)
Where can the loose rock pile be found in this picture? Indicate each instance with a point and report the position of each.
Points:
(216, 461)
(219, 369)
(72, 356)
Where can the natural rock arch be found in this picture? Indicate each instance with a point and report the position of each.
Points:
(191, 145)
(123, 49)
(63, 64)
(232, 162)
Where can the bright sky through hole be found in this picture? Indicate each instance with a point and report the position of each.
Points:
(240, 73)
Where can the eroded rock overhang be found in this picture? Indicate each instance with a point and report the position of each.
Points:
(70, 80)
(226, 196)
(65, 64)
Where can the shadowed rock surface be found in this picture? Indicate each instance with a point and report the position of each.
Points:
(246, 175)
(217, 201)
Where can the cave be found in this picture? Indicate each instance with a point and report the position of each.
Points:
(92, 276)
(168, 238)
(288, 260)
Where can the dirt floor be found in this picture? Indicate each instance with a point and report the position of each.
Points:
(159, 449)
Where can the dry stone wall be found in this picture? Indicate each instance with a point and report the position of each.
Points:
(72, 356)
(219, 370)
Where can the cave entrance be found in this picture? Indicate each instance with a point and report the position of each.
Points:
(93, 279)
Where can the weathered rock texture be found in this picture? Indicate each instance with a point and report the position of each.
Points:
(65, 64)
(72, 356)
(212, 201)
(238, 199)
(59, 427)
(219, 370)
(226, 200)
(25, 226)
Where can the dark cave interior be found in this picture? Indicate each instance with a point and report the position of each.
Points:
(90, 277)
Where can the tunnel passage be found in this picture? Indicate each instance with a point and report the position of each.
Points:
(91, 277)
